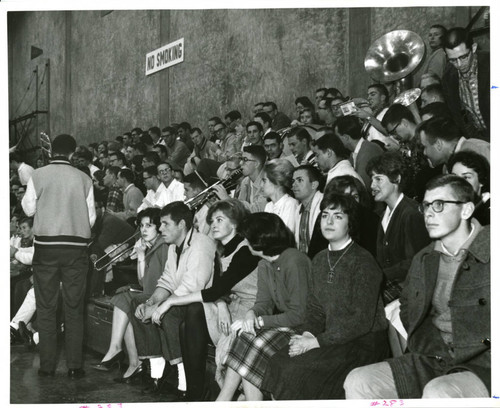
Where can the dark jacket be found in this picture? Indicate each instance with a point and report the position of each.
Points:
(366, 152)
(405, 236)
(428, 356)
(452, 93)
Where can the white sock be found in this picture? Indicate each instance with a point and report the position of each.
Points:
(157, 366)
(15, 325)
(182, 377)
(35, 338)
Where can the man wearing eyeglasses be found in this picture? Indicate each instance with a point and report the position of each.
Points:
(401, 124)
(249, 192)
(466, 83)
(445, 308)
(157, 195)
(175, 189)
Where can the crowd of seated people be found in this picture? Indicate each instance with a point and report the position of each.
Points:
(280, 240)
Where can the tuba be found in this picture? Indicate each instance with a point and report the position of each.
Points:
(393, 57)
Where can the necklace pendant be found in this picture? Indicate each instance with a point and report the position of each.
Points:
(330, 275)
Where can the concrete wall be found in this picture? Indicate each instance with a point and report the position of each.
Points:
(233, 58)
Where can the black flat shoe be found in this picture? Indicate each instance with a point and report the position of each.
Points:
(108, 364)
(76, 373)
(26, 336)
(127, 380)
(15, 338)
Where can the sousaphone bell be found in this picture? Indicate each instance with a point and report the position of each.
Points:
(393, 57)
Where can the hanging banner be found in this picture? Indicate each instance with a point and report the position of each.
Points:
(164, 57)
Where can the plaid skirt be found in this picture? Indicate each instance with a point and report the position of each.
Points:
(249, 354)
(392, 291)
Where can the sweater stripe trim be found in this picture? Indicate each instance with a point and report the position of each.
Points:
(61, 240)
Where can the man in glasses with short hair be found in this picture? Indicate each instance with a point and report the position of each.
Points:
(249, 192)
(175, 189)
(466, 83)
(157, 195)
(445, 308)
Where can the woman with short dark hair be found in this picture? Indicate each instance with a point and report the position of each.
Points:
(401, 232)
(152, 253)
(283, 281)
(474, 168)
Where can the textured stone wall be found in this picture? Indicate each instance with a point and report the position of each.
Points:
(44, 30)
(233, 58)
(109, 90)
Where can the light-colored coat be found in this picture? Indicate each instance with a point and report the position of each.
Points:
(195, 270)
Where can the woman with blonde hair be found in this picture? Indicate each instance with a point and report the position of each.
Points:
(276, 186)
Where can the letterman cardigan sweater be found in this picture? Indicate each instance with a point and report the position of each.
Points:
(61, 198)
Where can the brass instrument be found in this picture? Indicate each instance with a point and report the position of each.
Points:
(284, 132)
(115, 255)
(393, 57)
(229, 183)
(406, 98)
(46, 147)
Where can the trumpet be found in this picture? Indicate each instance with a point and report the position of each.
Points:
(229, 183)
(116, 254)
(284, 131)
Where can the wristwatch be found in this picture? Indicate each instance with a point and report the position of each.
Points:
(149, 302)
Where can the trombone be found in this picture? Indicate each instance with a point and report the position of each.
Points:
(116, 255)
(194, 204)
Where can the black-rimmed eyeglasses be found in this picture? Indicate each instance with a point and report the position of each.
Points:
(437, 205)
(462, 58)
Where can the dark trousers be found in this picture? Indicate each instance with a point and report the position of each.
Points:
(152, 340)
(194, 339)
(50, 267)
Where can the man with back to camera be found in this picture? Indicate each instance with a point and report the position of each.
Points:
(61, 199)
(433, 93)
(445, 308)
